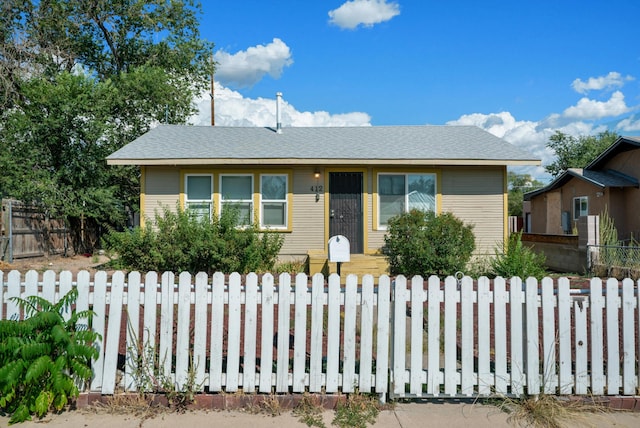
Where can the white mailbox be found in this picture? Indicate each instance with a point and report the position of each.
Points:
(339, 249)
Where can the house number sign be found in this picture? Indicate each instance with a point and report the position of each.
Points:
(317, 189)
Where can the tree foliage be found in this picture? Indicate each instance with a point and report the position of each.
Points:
(518, 184)
(79, 80)
(423, 243)
(572, 152)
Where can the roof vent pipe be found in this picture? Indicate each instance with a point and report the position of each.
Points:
(278, 121)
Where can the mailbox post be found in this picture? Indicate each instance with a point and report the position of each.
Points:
(339, 250)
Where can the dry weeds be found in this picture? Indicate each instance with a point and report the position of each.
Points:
(548, 411)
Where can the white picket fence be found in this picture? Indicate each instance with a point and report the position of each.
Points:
(400, 337)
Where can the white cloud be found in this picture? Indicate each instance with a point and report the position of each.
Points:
(363, 12)
(527, 135)
(591, 109)
(611, 80)
(246, 68)
(630, 124)
(233, 109)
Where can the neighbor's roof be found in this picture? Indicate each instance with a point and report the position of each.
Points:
(200, 145)
(621, 145)
(593, 173)
(601, 179)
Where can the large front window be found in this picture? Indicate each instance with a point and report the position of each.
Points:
(400, 193)
(236, 192)
(198, 191)
(273, 194)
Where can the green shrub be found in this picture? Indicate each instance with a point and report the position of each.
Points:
(136, 247)
(423, 243)
(480, 266)
(514, 259)
(181, 242)
(43, 357)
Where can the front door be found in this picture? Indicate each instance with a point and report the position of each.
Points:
(345, 208)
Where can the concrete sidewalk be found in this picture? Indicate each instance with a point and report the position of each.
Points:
(403, 415)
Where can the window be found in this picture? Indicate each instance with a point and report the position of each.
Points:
(198, 191)
(236, 192)
(273, 194)
(399, 193)
(580, 207)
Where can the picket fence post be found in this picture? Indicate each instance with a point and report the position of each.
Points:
(233, 333)
(300, 334)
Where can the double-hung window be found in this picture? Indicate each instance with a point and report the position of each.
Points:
(400, 193)
(580, 207)
(236, 192)
(273, 201)
(198, 194)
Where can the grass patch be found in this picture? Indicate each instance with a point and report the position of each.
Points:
(271, 406)
(357, 411)
(309, 411)
(549, 411)
(141, 406)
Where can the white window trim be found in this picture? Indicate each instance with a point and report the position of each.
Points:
(406, 191)
(285, 201)
(250, 200)
(188, 201)
(577, 215)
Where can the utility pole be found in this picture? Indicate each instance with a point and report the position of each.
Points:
(211, 94)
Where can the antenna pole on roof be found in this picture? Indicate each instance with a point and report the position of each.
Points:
(211, 94)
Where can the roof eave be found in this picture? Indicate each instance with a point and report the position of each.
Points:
(293, 161)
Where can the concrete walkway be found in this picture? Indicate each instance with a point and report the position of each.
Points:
(404, 415)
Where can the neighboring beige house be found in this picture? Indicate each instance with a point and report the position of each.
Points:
(311, 183)
(609, 182)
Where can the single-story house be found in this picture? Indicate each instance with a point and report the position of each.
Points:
(312, 183)
(609, 182)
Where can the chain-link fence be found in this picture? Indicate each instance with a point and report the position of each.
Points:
(613, 261)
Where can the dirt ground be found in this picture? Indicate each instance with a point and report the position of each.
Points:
(57, 263)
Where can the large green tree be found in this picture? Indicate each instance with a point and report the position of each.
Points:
(518, 184)
(81, 78)
(572, 152)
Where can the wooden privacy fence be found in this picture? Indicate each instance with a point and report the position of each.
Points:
(400, 337)
(28, 231)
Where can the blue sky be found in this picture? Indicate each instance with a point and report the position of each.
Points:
(521, 70)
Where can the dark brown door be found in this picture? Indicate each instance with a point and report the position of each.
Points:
(345, 208)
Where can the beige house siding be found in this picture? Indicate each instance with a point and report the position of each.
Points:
(375, 238)
(161, 189)
(476, 196)
(473, 194)
(308, 215)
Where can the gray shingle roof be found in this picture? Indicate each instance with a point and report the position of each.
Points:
(601, 179)
(182, 144)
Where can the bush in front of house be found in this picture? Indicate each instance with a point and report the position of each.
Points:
(423, 243)
(514, 259)
(180, 241)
